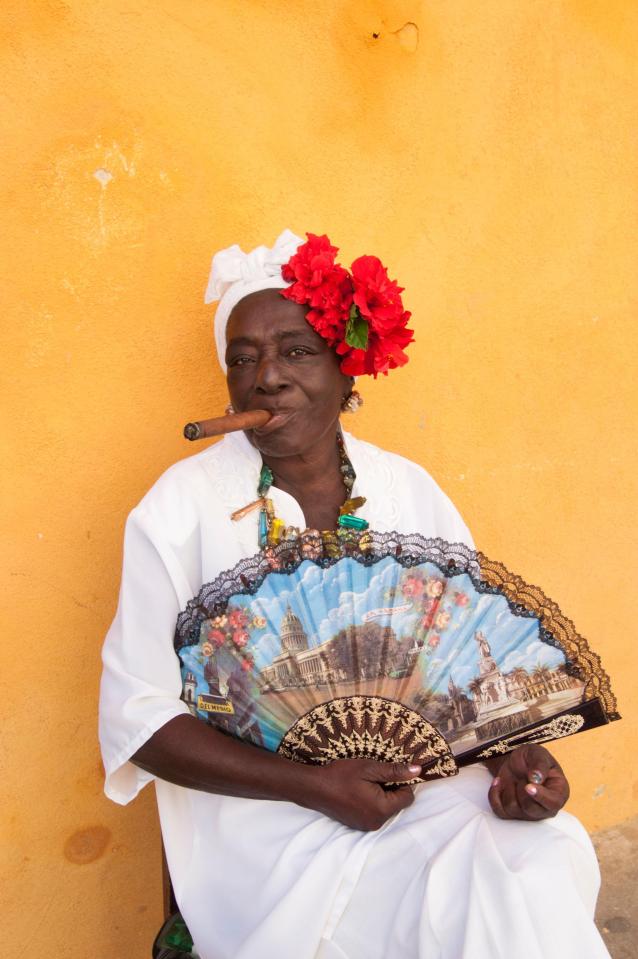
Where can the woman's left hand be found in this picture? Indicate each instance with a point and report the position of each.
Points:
(529, 784)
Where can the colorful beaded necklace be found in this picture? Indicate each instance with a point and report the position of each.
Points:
(273, 530)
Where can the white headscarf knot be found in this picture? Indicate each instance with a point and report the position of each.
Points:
(234, 274)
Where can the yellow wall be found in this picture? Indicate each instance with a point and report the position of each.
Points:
(485, 152)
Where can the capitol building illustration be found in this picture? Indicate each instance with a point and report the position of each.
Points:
(494, 700)
(297, 661)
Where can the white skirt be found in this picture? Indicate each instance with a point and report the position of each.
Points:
(445, 879)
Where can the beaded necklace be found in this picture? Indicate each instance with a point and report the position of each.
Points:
(273, 530)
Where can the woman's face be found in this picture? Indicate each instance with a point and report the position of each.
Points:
(277, 362)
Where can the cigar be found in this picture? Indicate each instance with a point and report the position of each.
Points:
(250, 420)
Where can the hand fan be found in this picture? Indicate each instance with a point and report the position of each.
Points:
(389, 646)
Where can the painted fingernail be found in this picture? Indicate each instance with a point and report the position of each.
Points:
(535, 776)
(495, 782)
(531, 790)
(414, 769)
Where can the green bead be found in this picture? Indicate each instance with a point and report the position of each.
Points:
(352, 522)
(265, 480)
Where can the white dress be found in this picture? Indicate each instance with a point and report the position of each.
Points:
(445, 879)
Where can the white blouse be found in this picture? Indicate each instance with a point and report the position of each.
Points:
(258, 879)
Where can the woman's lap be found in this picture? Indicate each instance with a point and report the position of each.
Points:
(448, 880)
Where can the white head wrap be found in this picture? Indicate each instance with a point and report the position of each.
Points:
(234, 274)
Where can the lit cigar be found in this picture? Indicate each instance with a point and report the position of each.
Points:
(250, 420)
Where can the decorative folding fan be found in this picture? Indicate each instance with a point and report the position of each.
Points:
(388, 646)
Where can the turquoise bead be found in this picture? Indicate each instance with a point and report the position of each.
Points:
(352, 522)
(263, 528)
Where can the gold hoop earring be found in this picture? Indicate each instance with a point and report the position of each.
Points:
(352, 402)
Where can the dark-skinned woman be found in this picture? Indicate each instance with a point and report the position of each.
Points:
(272, 859)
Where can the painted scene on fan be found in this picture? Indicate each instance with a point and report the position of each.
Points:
(459, 657)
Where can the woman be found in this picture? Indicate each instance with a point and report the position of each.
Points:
(276, 860)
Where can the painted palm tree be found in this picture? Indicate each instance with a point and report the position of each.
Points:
(542, 675)
(520, 680)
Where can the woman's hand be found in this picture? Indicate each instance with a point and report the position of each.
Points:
(352, 791)
(529, 784)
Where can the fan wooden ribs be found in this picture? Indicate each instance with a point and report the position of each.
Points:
(372, 727)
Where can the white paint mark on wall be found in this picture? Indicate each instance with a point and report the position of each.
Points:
(103, 177)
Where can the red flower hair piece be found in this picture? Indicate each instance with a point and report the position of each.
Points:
(359, 312)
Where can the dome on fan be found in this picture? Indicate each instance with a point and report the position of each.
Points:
(291, 632)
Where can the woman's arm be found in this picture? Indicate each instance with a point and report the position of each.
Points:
(190, 753)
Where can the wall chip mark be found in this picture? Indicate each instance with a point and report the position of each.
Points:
(87, 845)
(408, 36)
(103, 176)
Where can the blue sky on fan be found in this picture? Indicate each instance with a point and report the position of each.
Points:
(326, 600)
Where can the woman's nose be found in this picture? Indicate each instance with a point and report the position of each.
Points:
(270, 375)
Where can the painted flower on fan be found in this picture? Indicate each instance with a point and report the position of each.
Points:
(461, 599)
(442, 619)
(430, 607)
(247, 663)
(207, 649)
(434, 640)
(259, 622)
(412, 586)
(238, 618)
(427, 620)
(217, 637)
(219, 621)
(240, 637)
(434, 587)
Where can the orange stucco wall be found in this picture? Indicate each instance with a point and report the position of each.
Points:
(486, 153)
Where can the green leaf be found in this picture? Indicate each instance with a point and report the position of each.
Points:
(356, 330)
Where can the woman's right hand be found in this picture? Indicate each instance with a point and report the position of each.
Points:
(193, 754)
(352, 791)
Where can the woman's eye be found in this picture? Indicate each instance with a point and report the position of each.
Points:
(299, 351)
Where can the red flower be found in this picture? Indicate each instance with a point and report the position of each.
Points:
(320, 283)
(217, 637)
(378, 300)
(461, 599)
(238, 618)
(413, 586)
(377, 296)
(434, 641)
(247, 663)
(310, 265)
(240, 637)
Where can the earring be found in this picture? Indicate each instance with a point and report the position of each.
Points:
(352, 402)
(230, 409)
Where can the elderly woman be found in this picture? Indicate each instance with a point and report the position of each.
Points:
(272, 859)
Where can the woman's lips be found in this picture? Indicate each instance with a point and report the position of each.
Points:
(276, 421)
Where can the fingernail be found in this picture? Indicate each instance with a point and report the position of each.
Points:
(495, 782)
(531, 790)
(536, 776)
(414, 769)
